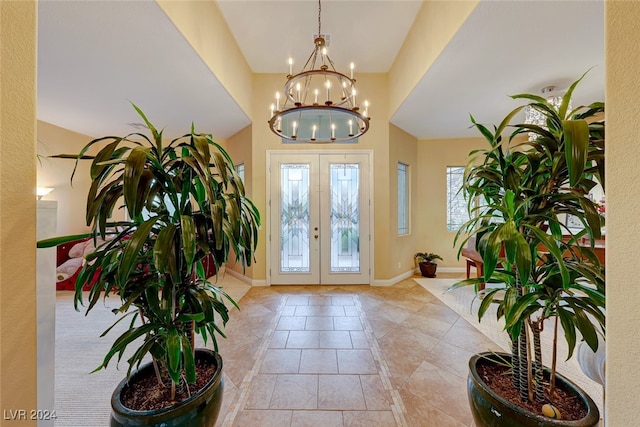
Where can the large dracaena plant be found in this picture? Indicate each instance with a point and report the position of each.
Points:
(187, 206)
(518, 192)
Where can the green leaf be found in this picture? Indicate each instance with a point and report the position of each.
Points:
(486, 303)
(491, 252)
(523, 259)
(566, 98)
(157, 137)
(523, 303)
(174, 351)
(576, 141)
(586, 328)
(132, 249)
(55, 241)
(188, 239)
(552, 247)
(566, 320)
(189, 362)
(125, 339)
(133, 168)
(164, 249)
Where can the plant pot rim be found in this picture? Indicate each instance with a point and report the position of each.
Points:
(194, 400)
(592, 416)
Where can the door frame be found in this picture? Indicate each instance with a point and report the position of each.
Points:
(267, 220)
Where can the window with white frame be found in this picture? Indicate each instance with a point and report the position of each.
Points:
(403, 198)
(240, 170)
(457, 213)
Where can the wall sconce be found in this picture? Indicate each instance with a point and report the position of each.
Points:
(43, 191)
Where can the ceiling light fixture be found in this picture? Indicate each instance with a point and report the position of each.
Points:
(319, 103)
(533, 116)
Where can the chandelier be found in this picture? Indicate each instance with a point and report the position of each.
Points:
(318, 104)
(533, 116)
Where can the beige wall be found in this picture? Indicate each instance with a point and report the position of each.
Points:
(204, 27)
(239, 148)
(437, 22)
(623, 204)
(431, 203)
(18, 208)
(373, 87)
(56, 173)
(403, 148)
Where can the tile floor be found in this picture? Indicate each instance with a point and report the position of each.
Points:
(347, 356)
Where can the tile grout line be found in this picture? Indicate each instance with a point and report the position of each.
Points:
(243, 390)
(397, 407)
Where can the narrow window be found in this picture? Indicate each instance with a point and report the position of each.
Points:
(457, 213)
(403, 199)
(240, 170)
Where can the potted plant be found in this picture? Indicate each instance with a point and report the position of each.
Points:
(545, 277)
(186, 206)
(427, 264)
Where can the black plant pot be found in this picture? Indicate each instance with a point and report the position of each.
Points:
(491, 410)
(200, 410)
(428, 269)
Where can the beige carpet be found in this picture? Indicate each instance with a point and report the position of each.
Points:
(463, 302)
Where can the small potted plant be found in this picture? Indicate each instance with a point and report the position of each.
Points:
(186, 206)
(544, 276)
(427, 264)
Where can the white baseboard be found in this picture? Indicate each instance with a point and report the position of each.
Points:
(393, 281)
(245, 279)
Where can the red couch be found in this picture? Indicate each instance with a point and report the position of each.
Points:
(69, 284)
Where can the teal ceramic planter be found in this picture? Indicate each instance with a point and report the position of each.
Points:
(491, 410)
(200, 410)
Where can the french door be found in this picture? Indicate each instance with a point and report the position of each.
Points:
(319, 218)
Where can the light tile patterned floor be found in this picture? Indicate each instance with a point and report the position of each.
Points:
(350, 356)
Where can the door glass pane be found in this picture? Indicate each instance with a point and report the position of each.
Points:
(345, 217)
(294, 217)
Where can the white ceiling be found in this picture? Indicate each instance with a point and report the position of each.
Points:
(96, 56)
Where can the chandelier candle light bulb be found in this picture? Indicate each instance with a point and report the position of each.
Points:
(313, 133)
(277, 101)
(350, 127)
(352, 66)
(328, 85)
(315, 97)
(294, 127)
(298, 93)
(333, 131)
(290, 66)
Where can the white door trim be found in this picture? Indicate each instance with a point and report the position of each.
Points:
(267, 220)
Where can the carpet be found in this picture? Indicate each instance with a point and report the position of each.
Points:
(465, 304)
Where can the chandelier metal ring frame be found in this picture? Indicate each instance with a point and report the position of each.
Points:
(325, 119)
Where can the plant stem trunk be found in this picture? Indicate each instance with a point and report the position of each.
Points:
(554, 355)
(529, 363)
(515, 365)
(522, 357)
(537, 364)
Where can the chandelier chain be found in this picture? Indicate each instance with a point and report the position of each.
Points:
(319, 22)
